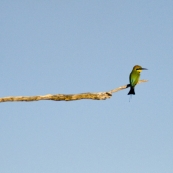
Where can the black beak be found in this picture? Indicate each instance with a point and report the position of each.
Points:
(144, 69)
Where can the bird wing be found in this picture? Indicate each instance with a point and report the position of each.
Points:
(134, 79)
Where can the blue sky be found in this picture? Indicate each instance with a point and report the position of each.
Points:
(66, 47)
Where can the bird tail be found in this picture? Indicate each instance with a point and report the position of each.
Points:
(132, 91)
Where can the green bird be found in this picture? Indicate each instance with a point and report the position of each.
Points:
(134, 78)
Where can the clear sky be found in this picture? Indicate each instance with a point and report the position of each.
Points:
(66, 47)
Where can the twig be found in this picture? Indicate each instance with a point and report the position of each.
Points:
(67, 97)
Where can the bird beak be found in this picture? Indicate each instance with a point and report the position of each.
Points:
(144, 69)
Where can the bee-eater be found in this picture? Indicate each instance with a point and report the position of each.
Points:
(134, 77)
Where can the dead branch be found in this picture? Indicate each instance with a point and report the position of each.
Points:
(68, 97)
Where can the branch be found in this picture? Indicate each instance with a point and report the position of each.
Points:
(68, 97)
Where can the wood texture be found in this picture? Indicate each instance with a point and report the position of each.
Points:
(68, 97)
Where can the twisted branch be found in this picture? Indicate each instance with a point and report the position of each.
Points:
(68, 97)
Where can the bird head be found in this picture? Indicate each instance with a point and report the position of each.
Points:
(138, 68)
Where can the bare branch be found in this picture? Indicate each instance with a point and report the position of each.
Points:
(68, 97)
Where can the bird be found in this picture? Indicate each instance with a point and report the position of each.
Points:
(134, 78)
